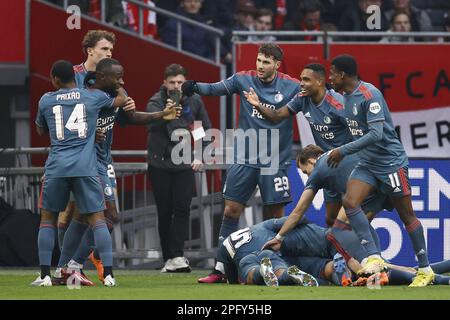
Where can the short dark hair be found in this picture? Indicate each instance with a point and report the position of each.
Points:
(271, 50)
(311, 151)
(93, 36)
(317, 68)
(63, 70)
(105, 64)
(262, 12)
(174, 70)
(347, 64)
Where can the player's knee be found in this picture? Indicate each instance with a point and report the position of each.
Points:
(232, 211)
(349, 202)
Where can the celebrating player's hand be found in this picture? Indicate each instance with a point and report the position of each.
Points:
(197, 165)
(189, 87)
(334, 158)
(171, 111)
(273, 244)
(129, 105)
(252, 97)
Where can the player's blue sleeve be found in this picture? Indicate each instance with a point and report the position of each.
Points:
(297, 103)
(374, 135)
(314, 181)
(101, 99)
(222, 88)
(40, 119)
(374, 108)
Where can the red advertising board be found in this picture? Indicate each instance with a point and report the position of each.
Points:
(12, 31)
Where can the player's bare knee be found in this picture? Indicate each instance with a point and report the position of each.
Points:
(232, 211)
(349, 202)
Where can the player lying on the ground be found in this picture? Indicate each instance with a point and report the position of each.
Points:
(311, 252)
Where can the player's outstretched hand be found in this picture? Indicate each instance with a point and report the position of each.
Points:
(129, 105)
(189, 87)
(197, 165)
(171, 111)
(273, 244)
(334, 158)
(252, 97)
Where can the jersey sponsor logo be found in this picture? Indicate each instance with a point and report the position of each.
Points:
(327, 119)
(355, 109)
(278, 97)
(375, 107)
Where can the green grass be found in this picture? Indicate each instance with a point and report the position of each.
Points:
(150, 284)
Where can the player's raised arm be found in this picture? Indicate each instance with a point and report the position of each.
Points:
(291, 222)
(170, 112)
(221, 88)
(273, 115)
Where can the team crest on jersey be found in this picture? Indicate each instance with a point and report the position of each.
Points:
(355, 109)
(327, 119)
(278, 97)
(108, 191)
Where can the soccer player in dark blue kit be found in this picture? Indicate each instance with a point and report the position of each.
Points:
(69, 115)
(324, 110)
(313, 161)
(383, 164)
(275, 89)
(109, 71)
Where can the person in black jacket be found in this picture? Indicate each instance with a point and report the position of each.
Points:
(173, 184)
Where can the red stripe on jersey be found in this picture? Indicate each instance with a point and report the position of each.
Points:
(288, 77)
(335, 103)
(42, 191)
(79, 68)
(338, 247)
(251, 73)
(404, 182)
(366, 93)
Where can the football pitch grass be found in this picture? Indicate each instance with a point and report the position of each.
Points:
(152, 285)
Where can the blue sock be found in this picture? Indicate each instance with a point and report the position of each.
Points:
(257, 278)
(440, 279)
(229, 225)
(103, 242)
(361, 227)
(375, 238)
(85, 247)
(72, 240)
(415, 231)
(441, 267)
(62, 228)
(46, 242)
(399, 277)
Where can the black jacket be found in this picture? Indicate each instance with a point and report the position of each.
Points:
(159, 143)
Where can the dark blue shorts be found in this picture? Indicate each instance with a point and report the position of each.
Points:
(242, 180)
(392, 184)
(109, 184)
(88, 193)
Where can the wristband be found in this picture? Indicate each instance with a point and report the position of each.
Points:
(279, 237)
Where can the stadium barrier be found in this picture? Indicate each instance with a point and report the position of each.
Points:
(136, 238)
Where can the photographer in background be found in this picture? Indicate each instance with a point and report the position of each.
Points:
(173, 184)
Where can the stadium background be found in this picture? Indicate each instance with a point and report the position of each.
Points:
(413, 77)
